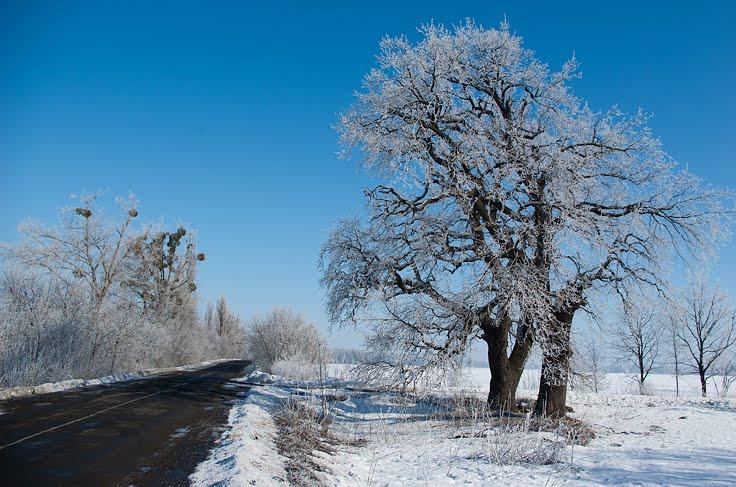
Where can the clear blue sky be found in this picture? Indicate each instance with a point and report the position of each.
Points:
(218, 114)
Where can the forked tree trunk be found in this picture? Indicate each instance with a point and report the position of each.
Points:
(505, 369)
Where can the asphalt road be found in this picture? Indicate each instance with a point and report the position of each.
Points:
(151, 431)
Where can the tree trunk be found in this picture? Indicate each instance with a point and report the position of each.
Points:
(677, 365)
(703, 382)
(552, 396)
(496, 337)
(505, 370)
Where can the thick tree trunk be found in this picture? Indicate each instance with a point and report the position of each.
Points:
(552, 396)
(496, 338)
(497, 341)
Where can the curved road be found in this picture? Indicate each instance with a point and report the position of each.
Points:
(151, 431)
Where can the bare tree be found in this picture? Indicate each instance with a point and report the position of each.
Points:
(725, 370)
(507, 203)
(98, 295)
(285, 338)
(676, 344)
(706, 327)
(161, 270)
(587, 362)
(86, 248)
(228, 327)
(637, 337)
(226, 320)
(209, 316)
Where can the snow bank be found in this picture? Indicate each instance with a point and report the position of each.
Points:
(246, 452)
(66, 385)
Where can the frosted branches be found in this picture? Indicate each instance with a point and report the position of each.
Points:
(503, 193)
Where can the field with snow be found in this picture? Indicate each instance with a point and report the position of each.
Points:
(477, 378)
(384, 439)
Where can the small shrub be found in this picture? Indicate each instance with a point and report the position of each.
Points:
(514, 442)
(573, 430)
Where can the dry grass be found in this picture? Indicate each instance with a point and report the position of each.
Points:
(301, 432)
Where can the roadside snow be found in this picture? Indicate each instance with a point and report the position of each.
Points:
(66, 385)
(246, 452)
(640, 440)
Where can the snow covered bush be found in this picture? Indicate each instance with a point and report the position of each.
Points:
(513, 443)
(283, 342)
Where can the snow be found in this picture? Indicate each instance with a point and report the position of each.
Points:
(640, 440)
(477, 378)
(656, 440)
(66, 385)
(246, 453)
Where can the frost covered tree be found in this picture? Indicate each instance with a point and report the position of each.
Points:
(225, 320)
(44, 330)
(725, 371)
(227, 326)
(506, 203)
(284, 342)
(587, 362)
(675, 345)
(86, 247)
(100, 294)
(637, 337)
(706, 326)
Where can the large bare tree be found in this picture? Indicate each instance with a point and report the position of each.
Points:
(507, 202)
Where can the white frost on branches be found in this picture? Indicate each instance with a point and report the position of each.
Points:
(503, 194)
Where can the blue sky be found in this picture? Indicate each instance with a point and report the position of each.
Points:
(219, 114)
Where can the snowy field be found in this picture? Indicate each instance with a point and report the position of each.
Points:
(477, 378)
(640, 440)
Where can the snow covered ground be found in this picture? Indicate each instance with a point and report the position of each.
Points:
(477, 378)
(640, 440)
(246, 452)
